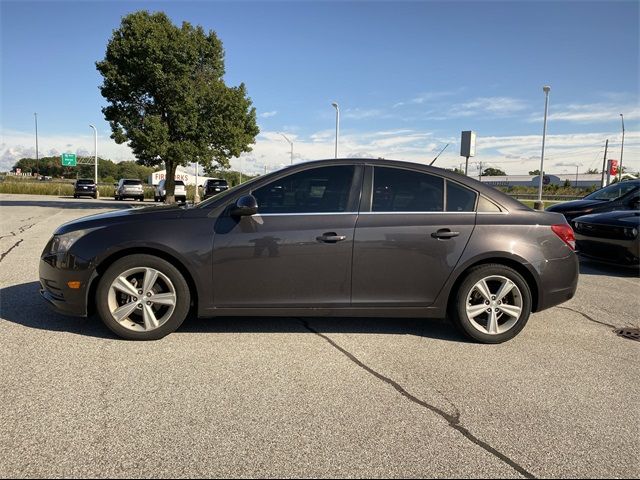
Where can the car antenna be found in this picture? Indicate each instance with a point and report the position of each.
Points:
(434, 160)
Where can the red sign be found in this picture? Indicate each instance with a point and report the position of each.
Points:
(18, 171)
(613, 167)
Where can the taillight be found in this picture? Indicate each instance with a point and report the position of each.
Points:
(565, 232)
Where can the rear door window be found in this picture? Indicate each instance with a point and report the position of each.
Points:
(401, 190)
(459, 198)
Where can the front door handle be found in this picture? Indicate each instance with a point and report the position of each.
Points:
(331, 237)
(444, 233)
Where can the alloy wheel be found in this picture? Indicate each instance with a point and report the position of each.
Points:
(494, 305)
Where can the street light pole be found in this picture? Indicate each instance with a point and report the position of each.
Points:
(335, 105)
(621, 150)
(290, 143)
(95, 154)
(37, 158)
(196, 195)
(539, 205)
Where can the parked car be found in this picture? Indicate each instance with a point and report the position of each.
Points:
(180, 192)
(85, 187)
(214, 186)
(610, 237)
(347, 237)
(129, 188)
(618, 196)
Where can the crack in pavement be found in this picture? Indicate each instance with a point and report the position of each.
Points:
(588, 317)
(21, 229)
(452, 420)
(12, 247)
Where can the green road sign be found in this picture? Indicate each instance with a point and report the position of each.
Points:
(69, 160)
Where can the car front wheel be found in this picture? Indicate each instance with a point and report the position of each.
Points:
(492, 304)
(142, 297)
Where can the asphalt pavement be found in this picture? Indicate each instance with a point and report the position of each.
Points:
(321, 397)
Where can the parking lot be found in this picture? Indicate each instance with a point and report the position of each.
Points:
(322, 397)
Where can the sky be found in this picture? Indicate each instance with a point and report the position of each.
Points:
(408, 78)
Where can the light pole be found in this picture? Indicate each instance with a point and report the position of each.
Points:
(539, 205)
(290, 143)
(95, 155)
(37, 159)
(335, 105)
(621, 149)
(196, 195)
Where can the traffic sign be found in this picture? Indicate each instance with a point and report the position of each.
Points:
(69, 160)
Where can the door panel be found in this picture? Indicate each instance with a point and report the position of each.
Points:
(396, 261)
(297, 251)
(279, 261)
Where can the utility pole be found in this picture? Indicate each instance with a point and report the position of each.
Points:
(480, 172)
(539, 205)
(95, 155)
(604, 163)
(621, 150)
(37, 158)
(576, 176)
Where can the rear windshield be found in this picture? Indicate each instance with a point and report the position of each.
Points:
(179, 182)
(132, 182)
(84, 181)
(218, 183)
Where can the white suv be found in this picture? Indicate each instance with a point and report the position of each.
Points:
(180, 192)
(129, 188)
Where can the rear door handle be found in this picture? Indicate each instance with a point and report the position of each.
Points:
(444, 233)
(331, 237)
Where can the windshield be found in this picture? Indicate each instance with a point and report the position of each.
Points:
(84, 181)
(612, 192)
(217, 183)
(132, 182)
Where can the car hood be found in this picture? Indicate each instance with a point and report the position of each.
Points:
(121, 216)
(574, 205)
(621, 218)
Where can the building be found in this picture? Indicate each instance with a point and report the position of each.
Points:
(189, 178)
(582, 180)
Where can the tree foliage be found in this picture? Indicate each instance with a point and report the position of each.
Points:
(493, 172)
(108, 171)
(534, 172)
(167, 98)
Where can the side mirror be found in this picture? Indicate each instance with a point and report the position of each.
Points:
(245, 206)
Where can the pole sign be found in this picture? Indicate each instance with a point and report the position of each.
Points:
(69, 160)
(468, 144)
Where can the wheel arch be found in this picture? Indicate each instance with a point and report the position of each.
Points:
(109, 260)
(519, 267)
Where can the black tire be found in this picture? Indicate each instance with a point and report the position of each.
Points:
(182, 294)
(466, 295)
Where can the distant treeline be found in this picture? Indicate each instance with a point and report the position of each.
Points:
(108, 170)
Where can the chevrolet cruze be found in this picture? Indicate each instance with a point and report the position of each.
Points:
(334, 237)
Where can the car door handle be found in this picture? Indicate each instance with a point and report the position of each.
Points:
(331, 237)
(444, 233)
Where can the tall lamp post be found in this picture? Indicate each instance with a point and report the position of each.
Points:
(621, 149)
(37, 159)
(290, 143)
(335, 105)
(95, 155)
(539, 205)
(196, 195)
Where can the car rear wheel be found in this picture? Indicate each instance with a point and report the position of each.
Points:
(142, 297)
(492, 305)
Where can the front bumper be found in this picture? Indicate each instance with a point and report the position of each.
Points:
(56, 271)
(609, 250)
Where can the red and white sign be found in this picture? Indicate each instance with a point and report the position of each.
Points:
(18, 171)
(613, 167)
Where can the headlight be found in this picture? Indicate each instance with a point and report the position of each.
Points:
(62, 243)
(631, 232)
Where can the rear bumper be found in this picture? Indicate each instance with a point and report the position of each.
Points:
(558, 281)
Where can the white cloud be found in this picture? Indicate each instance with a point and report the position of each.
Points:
(270, 114)
(15, 145)
(589, 113)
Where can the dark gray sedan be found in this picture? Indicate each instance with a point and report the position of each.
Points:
(336, 237)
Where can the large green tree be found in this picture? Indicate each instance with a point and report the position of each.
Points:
(167, 98)
(493, 172)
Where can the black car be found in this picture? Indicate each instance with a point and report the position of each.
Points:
(344, 237)
(618, 196)
(85, 187)
(610, 237)
(214, 186)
